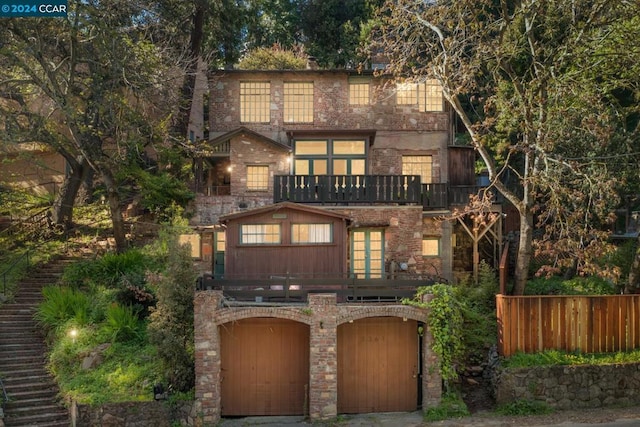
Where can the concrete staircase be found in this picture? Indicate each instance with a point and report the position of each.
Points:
(32, 392)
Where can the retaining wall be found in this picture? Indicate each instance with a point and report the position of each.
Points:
(571, 387)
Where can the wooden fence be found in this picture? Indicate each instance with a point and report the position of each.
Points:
(590, 324)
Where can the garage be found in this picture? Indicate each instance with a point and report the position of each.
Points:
(264, 367)
(378, 365)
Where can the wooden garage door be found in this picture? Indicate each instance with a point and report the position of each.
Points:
(265, 367)
(378, 362)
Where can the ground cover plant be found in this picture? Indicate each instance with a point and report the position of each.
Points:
(102, 323)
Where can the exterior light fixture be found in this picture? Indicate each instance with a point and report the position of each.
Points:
(73, 333)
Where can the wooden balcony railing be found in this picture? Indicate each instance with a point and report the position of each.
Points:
(347, 189)
(442, 196)
(295, 288)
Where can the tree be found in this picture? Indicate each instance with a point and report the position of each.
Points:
(90, 86)
(274, 58)
(512, 72)
(331, 29)
(171, 321)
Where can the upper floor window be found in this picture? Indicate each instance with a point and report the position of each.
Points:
(418, 165)
(254, 102)
(430, 96)
(298, 102)
(427, 95)
(358, 91)
(260, 234)
(406, 93)
(258, 178)
(311, 233)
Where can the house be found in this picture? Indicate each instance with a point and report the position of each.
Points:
(322, 200)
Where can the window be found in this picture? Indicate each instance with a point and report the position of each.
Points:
(418, 165)
(430, 96)
(336, 157)
(430, 246)
(258, 178)
(254, 102)
(311, 233)
(427, 95)
(358, 92)
(298, 102)
(406, 93)
(260, 234)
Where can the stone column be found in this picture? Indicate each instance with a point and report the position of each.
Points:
(431, 378)
(207, 356)
(323, 366)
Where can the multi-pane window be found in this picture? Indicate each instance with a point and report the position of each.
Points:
(418, 165)
(430, 246)
(332, 156)
(430, 96)
(406, 93)
(260, 234)
(358, 92)
(427, 95)
(254, 102)
(311, 233)
(298, 102)
(258, 178)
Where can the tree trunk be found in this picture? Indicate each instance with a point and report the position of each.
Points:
(524, 252)
(633, 282)
(117, 219)
(62, 209)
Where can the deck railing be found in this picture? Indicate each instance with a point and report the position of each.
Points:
(295, 288)
(347, 189)
(363, 189)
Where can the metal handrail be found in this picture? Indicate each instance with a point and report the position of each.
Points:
(5, 397)
(11, 267)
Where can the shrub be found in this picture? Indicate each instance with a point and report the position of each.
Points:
(576, 286)
(170, 326)
(62, 304)
(121, 323)
(451, 406)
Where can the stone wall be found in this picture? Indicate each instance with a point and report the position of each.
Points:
(571, 387)
(134, 414)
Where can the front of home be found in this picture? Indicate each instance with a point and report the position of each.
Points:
(324, 198)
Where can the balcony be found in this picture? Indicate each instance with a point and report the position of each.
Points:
(370, 189)
(347, 189)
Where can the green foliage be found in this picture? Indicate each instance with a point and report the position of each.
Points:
(555, 285)
(107, 270)
(62, 304)
(524, 407)
(122, 324)
(446, 323)
(170, 326)
(451, 406)
(160, 191)
(273, 58)
(561, 358)
(461, 320)
(126, 373)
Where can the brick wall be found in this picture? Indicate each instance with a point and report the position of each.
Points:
(323, 315)
(331, 106)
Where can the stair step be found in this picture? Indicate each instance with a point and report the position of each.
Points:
(19, 396)
(39, 420)
(32, 391)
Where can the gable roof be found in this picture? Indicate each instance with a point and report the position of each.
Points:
(279, 206)
(244, 131)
